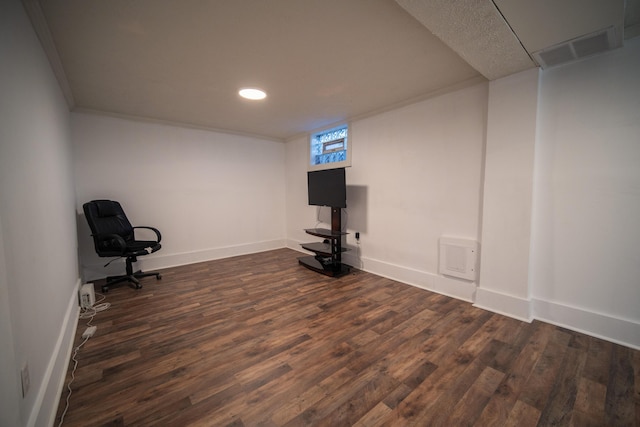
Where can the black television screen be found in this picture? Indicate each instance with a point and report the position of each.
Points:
(327, 188)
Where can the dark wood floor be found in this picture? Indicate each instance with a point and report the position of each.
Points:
(259, 340)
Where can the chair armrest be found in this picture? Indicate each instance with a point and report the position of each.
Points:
(155, 230)
(112, 242)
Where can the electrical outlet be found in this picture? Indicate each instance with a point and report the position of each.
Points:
(26, 381)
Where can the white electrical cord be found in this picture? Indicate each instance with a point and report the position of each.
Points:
(88, 313)
(85, 313)
(73, 377)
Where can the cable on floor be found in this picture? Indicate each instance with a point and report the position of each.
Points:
(85, 313)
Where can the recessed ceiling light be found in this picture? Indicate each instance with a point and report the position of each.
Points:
(252, 93)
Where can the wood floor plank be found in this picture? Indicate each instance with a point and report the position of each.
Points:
(376, 417)
(620, 405)
(260, 340)
(590, 402)
(522, 415)
(471, 405)
(635, 362)
(291, 408)
(499, 407)
(439, 410)
(542, 379)
(562, 398)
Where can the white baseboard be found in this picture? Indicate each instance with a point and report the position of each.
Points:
(161, 260)
(509, 305)
(456, 288)
(48, 397)
(620, 331)
(459, 289)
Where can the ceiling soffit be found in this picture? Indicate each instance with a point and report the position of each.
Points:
(476, 31)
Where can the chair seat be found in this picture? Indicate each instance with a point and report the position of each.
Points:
(142, 247)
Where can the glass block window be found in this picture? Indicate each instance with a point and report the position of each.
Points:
(329, 146)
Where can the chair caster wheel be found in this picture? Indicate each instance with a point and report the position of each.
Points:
(105, 289)
(159, 276)
(138, 286)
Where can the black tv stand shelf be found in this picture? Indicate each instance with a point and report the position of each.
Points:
(320, 248)
(325, 232)
(328, 254)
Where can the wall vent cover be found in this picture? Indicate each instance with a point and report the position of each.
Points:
(459, 258)
(581, 47)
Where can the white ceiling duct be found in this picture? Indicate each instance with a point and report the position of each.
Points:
(578, 48)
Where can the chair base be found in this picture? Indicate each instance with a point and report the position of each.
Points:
(132, 278)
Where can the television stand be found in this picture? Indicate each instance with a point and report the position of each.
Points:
(328, 254)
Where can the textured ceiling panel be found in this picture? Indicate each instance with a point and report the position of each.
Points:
(476, 31)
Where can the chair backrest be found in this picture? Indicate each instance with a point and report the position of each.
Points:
(106, 217)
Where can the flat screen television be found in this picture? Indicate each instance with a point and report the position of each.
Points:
(327, 188)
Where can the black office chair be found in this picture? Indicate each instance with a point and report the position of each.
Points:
(113, 236)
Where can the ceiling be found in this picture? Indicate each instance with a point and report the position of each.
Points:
(321, 62)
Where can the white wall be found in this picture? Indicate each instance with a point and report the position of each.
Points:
(39, 274)
(508, 193)
(585, 263)
(416, 176)
(210, 194)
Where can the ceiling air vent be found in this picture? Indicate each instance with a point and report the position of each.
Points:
(581, 47)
